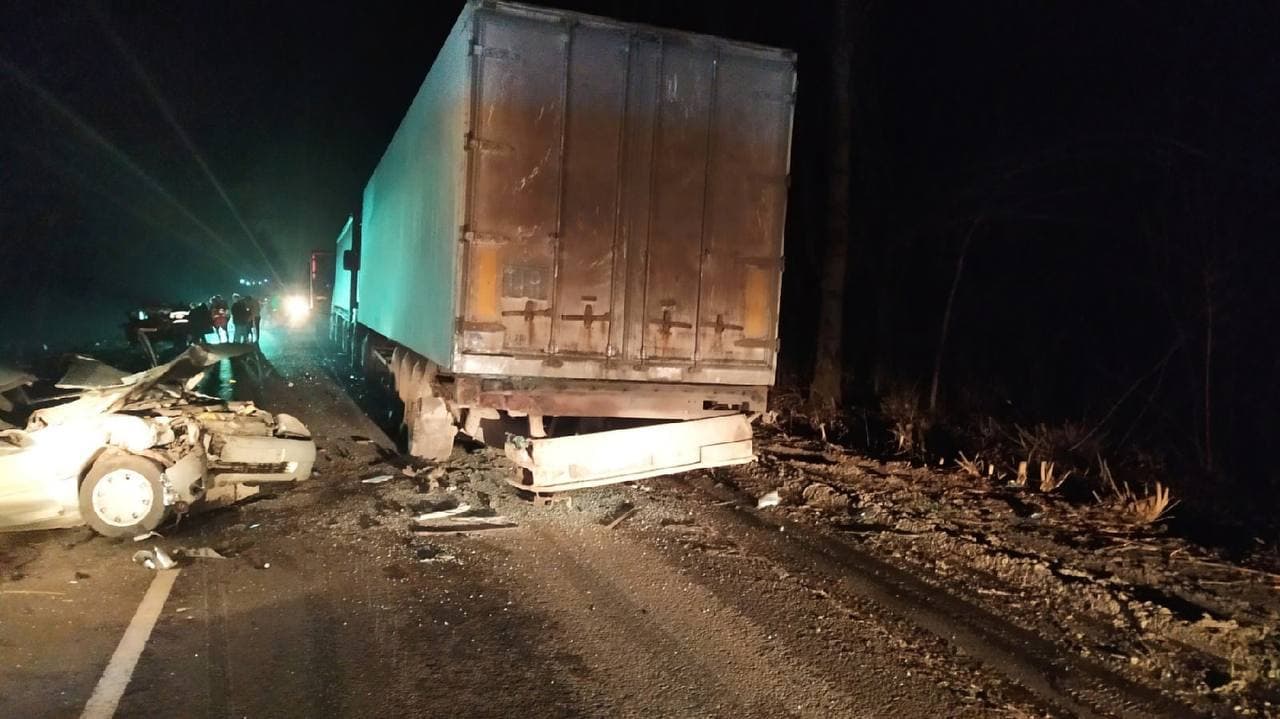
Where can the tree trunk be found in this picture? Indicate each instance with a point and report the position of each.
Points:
(827, 390)
(946, 319)
(1208, 370)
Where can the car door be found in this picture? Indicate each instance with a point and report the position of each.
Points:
(39, 475)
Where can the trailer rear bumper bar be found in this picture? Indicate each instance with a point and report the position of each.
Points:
(561, 464)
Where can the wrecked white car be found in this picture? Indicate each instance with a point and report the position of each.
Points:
(131, 450)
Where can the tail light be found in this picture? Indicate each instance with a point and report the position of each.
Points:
(484, 283)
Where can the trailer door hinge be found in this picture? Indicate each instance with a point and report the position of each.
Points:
(489, 146)
(493, 53)
(587, 318)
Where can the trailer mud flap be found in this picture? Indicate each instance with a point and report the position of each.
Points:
(560, 464)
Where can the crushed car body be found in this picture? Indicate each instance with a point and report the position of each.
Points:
(11, 382)
(133, 449)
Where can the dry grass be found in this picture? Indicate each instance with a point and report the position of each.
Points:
(1043, 442)
(1050, 478)
(972, 467)
(1044, 456)
(1143, 509)
(1021, 479)
(901, 408)
(1151, 508)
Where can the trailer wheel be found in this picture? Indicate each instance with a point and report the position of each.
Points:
(123, 496)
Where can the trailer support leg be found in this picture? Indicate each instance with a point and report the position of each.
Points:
(431, 430)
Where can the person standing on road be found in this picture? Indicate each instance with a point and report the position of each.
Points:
(218, 306)
(200, 322)
(240, 316)
(255, 317)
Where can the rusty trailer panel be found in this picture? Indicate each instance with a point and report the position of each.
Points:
(585, 398)
(573, 197)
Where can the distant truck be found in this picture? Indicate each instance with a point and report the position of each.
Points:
(321, 276)
(578, 218)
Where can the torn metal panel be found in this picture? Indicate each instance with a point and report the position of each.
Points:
(291, 427)
(458, 525)
(89, 373)
(11, 378)
(225, 423)
(227, 494)
(186, 476)
(11, 383)
(560, 464)
(101, 401)
(130, 433)
(267, 459)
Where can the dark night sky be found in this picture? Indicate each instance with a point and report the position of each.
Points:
(288, 107)
(290, 104)
(1113, 156)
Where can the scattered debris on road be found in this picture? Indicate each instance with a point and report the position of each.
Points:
(432, 554)
(442, 513)
(156, 559)
(769, 499)
(377, 480)
(457, 524)
(621, 518)
(199, 553)
(824, 496)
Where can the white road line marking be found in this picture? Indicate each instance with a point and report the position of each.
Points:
(106, 696)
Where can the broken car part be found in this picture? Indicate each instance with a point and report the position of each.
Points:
(155, 559)
(770, 499)
(561, 464)
(86, 462)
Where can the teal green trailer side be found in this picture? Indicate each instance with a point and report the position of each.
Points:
(341, 275)
(413, 211)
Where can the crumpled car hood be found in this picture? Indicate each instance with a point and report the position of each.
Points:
(110, 399)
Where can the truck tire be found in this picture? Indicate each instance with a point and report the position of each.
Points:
(122, 495)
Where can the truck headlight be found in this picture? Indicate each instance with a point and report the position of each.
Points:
(296, 308)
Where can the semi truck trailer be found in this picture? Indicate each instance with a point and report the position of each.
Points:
(577, 218)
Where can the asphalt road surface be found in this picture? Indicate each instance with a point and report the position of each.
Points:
(326, 605)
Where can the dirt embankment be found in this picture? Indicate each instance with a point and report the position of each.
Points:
(1155, 608)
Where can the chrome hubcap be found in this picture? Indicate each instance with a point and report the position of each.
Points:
(122, 498)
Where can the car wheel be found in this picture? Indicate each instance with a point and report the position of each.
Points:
(123, 496)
